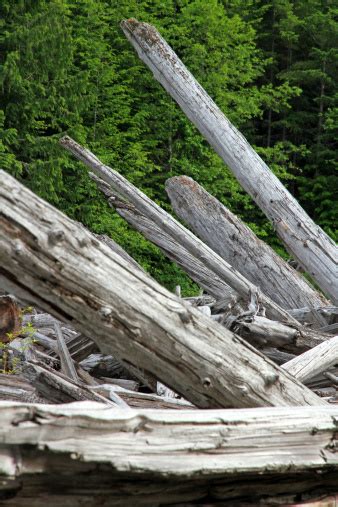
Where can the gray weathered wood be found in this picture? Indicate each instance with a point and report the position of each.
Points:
(306, 241)
(262, 332)
(220, 454)
(314, 361)
(67, 365)
(228, 236)
(204, 266)
(127, 313)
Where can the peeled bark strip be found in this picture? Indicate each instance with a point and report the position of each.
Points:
(306, 241)
(228, 236)
(314, 361)
(70, 274)
(203, 265)
(221, 455)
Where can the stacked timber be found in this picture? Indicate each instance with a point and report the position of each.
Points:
(115, 391)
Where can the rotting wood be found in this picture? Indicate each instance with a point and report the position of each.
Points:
(228, 236)
(314, 361)
(133, 318)
(204, 266)
(219, 454)
(307, 242)
(9, 318)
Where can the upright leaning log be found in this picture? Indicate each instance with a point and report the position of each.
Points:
(228, 236)
(307, 242)
(73, 276)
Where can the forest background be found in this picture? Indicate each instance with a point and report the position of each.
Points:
(67, 68)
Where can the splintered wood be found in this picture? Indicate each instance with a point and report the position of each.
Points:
(104, 375)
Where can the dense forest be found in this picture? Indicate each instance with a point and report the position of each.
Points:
(67, 68)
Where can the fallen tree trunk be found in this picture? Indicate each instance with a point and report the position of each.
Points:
(219, 455)
(262, 332)
(73, 276)
(203, 265)
(314, 361)
(228, 236)
(307, 242)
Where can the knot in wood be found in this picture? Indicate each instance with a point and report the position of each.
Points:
(105, 312)
(206, 382)
(185, 317)
(270, 379)
(55, 236)
(17, 247)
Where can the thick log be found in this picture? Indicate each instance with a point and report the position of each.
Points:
(203, 265)
(314, 361)
(306, 242)
(220, 454)
(70, 274)
(228, 236)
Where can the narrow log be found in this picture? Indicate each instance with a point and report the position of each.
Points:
(314, 361)
(219, 455)
(262, 332)
(307, 242)
(228, 236)
(70, 274)
(203, 265)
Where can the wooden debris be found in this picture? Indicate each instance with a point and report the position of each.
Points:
(134, 318)
(204, 266)
(306, 241)
(225, 455)
(228, 236)
(314, 361)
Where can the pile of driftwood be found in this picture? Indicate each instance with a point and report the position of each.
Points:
(91, 342)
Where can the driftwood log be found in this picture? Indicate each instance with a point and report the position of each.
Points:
(164, 457)
(314, 361)
(228, 236)
(73, 276)
(204, 266)
(306, 242)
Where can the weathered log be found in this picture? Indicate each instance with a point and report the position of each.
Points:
(70, 274)
(221, 455)
(15, 388)
(204, 266)
(57, 388)
(306, 241)
(308, 315)
(314, 361)
(262, 332)
(228, 236)
(67, 364)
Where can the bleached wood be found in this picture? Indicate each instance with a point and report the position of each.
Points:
(228, 236)
(220, 454)
(314, 361)
(263, 332)
(204, 266)
(127, 313)
(306, 241)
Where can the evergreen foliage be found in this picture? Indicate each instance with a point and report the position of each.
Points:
(66, 68)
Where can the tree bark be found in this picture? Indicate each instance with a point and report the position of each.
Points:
(306, 242)
(72, 275)
(224, 455)
(197, 259)
(228, 236)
